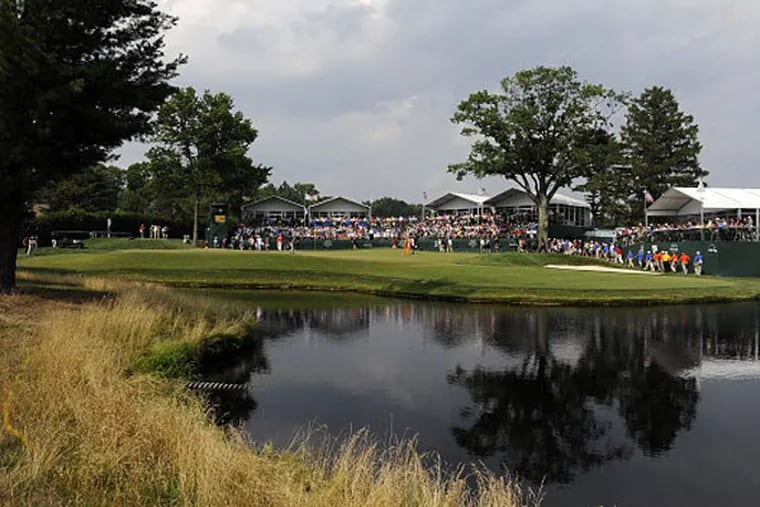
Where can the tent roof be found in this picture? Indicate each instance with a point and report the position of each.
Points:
(686, 200)
(557, 199)
(321, 204)
(475, 199)
(569, 201)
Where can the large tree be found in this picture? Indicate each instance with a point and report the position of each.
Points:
(661, 146)
(539, 132)
(202, 149)
(77, 78)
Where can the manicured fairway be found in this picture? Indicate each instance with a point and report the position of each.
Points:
(513, 278)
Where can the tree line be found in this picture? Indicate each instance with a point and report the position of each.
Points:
(76, 82)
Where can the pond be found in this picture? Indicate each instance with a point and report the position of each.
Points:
(627, 406)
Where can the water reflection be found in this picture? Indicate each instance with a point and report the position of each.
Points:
(545, 415)
(548, 392)
(235, 407)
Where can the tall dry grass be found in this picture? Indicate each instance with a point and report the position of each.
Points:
(78, 429)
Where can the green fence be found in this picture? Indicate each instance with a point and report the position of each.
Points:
(721, 258)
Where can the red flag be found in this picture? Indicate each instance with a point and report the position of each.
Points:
(648, 197)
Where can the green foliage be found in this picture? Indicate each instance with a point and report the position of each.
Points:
(606, 182)
(390, 207)
(202, 151)
(185, 359)
(661, 147)
(96, 188)
(137, 195)
(541, 132)
(76, 80)
(296, 193)
(171, 359)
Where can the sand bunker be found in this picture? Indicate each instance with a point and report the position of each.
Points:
(602, 269)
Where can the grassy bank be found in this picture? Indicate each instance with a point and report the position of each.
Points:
(503, 278)
(82, 427)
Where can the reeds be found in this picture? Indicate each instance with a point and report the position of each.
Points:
(81, 429)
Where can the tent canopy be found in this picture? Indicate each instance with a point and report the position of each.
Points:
(454, 200)
(682, 201)
(515, 197)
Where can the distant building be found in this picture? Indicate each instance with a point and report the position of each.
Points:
(563, 210)
(273, 207)
(339, 207)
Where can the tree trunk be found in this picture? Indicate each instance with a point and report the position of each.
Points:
(543, 222)
(195, 217)
(9, 229)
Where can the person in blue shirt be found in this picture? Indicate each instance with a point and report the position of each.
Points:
(698, 261)
(629, 258)
(649, 261)
(640, 258)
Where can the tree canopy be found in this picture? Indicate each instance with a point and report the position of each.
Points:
(202, 149)
(391, 207)
(296, 193)
(77, 79)
(96, 188)
(540, 131)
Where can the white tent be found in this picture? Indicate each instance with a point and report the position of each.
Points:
(456, 202)
(683, 201)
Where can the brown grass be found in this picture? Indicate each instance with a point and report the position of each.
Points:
(79, 430)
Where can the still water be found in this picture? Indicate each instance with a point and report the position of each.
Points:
(644, 406)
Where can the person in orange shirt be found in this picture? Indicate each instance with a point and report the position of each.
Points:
(684, 260)
(674, 262)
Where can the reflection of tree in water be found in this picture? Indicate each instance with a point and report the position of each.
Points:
(235, 407)
(546, 416)
(339, 322)
(656, 406)
(538, 417)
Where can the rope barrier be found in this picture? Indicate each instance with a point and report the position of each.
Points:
(215, 386)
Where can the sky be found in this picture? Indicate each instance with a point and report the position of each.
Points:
(356, 96)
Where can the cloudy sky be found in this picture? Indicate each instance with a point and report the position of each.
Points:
(356, 95)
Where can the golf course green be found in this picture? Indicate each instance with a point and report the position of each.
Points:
(498, 278)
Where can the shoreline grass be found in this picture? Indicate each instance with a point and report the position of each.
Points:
(81, 427)
(517, 279)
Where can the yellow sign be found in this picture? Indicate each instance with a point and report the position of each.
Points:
(220, 219)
